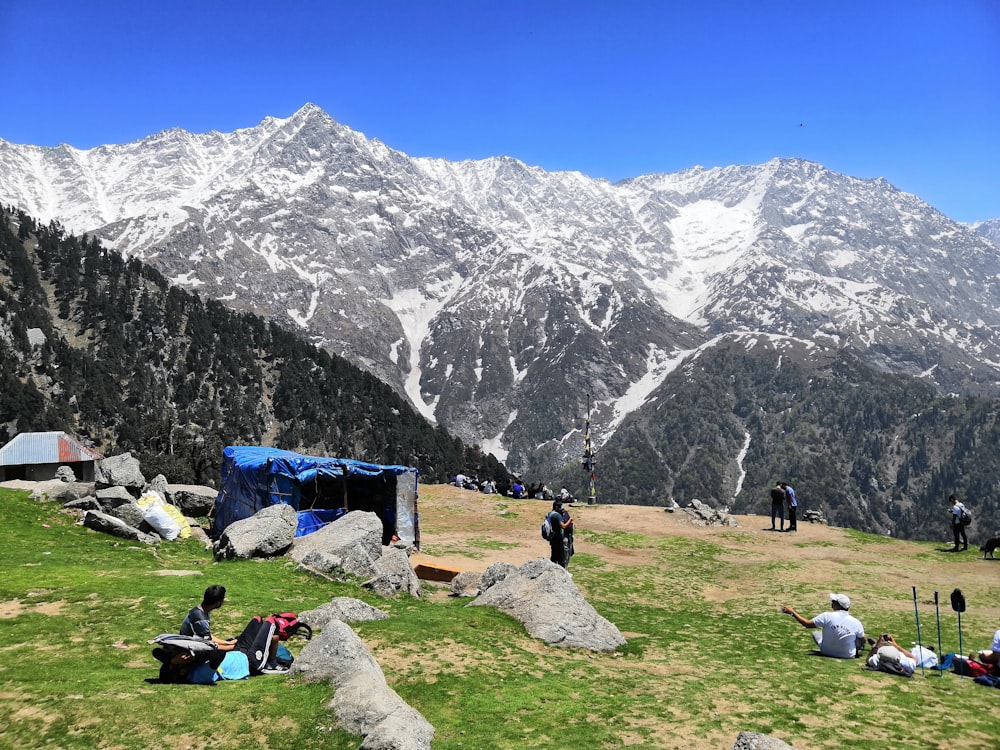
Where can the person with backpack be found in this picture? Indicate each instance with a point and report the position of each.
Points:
(557, 534)
(252, 653)
(960, 518)
(568, 534)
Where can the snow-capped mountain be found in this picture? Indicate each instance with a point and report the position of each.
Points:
(498, 296)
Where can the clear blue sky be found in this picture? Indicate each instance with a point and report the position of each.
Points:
(908, 90)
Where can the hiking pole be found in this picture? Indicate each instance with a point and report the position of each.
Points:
(916, 612)
(958, 604)
(937, 614)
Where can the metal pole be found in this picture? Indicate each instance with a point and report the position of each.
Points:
(937, 614)
(916, 612)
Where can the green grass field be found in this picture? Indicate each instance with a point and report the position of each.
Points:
(77, 609)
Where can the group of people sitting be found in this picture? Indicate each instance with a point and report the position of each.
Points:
(841, 635)
(253, 652)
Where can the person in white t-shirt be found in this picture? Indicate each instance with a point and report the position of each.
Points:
(838, 633)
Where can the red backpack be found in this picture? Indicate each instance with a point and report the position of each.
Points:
(288, 624)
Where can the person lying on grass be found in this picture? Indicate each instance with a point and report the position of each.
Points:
(253, 652)
(888, 656)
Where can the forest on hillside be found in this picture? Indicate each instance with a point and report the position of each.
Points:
(105, 349)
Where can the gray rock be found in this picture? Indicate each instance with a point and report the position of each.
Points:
(758, 741)
(394, 574)
(466, 583)
(112, 497)
(267, 533)
(83, 503)
(157, 485)
(355, 538)
(344, 609)
(495, 573)
(708, 516)
(122, 471)
(193, 499)
(544, 598)
(65, 474)
(98, 521)
(363, 702)
(55, 489)
(130, 513)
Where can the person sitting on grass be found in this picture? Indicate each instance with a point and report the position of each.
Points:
(198, 622)
(838, 633)
(253, 652)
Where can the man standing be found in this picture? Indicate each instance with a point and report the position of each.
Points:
(557, 539)
(958, 523)
(778, 506)
(793, 507)
(839, 634)
(198, 622)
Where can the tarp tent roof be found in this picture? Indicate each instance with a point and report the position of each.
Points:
(255, 477)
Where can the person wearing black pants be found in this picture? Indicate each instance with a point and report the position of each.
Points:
(957, 527)
(778, 506)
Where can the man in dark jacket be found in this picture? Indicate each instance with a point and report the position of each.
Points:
(557, 539)
(778, 506)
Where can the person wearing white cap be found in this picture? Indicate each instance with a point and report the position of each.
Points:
(839, 634)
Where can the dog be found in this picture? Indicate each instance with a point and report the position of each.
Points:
(989, 547)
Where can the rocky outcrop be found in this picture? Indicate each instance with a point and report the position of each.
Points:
(267, 533)
(542, 596)
(363, 702)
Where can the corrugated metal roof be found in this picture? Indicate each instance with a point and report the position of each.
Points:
(45, 448)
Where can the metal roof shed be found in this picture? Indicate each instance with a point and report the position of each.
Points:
(35, 456)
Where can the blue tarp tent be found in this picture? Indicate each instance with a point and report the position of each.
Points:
(320, 489)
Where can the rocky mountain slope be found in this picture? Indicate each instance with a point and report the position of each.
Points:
(497, 297)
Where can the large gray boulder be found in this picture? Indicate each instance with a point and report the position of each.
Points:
(758, 741)
(542, 596)
(363, 702)
(465, 583)
(393, 574)
(353, 542)
(121, 471)
(112, 497)
(267, 533)
(195, 500)
(131, 514)
(344, 609)
(98, 521)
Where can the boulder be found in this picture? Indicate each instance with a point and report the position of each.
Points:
(355, 539)
(344, 609)
(542, 596)
(131, 514)
(65, 474)
(193, 499)
(496, 572)
(466, 583)
(112, 497)
(393, 573)
(758, 741)
(121, 471)
(708, 516)
(84, 503)
(363, 702)
(267, 533)
(157, 485)
(98, 521)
